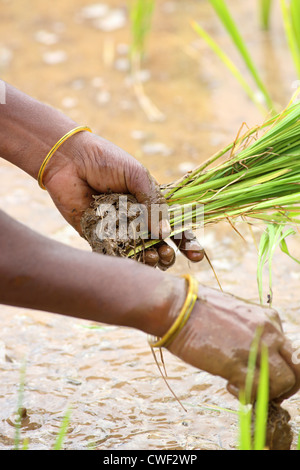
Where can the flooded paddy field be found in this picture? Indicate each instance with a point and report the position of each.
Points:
(74, 56)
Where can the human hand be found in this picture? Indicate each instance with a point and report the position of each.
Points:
(89, 165)
(218, 336)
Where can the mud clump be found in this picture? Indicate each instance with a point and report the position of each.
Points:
(113, 225)
(279, 434)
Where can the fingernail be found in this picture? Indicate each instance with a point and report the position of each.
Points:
(195, 256)
(151, 257)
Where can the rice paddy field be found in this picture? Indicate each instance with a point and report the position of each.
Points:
(75, 55)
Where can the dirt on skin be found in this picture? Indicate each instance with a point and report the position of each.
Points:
(279, 433)
(107, 225)
(95, 225)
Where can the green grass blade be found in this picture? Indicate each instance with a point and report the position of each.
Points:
(270, 240)
(245, 409)
(141, 12)
(62, 431)
(261, 409)
(262, 259)
(295, 14)
(298, 443)
(229, 64)
(231, 27)
(289, 25)
(285, 249)
(25, 445)
(265, 10)
(252, 364)
(245, 414)
(20, 405)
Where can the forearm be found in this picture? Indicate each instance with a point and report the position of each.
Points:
(29, 129)
(42, 274)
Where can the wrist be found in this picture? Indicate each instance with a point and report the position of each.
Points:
(66, 151)
(167, 299)
(29, 130)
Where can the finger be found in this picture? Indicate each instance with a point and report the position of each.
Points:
(166, 256)
(161, 256)
(151, 257)
(274, 318)
(190, 246)
(233, 390)
(292, 357)
(281, 380)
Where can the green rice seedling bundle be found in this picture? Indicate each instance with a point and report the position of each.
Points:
(260, 179)
(254, 179)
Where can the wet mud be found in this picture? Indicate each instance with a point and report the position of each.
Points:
(106, 225)
(279, 432)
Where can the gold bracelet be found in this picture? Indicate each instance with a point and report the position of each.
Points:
(183, 316)
(53, 150)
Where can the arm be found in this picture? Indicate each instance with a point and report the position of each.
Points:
(29, 129)
(84, 165)
(43, 274)
(39, 273)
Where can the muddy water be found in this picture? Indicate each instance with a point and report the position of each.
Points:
(76, 61)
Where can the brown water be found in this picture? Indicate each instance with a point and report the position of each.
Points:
(108, 375)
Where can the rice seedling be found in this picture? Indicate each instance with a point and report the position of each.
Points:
(230, 65)
(18, 445)
(273, 236)
(250, 439)
(265, 10)
(231, 27)
(19, 409)
(255, 180)
(141, 13)
(63, 430)
(291, 19)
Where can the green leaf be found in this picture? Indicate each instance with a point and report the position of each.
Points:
(245, 397)
(245, 414)
(63, 430)
(295, 15)
(270, 240)
(291, 25)
(261, 408)
(263, 252)
(231, 27)
(285, 249)
(141, 12)
(228, 63)
(265, 10)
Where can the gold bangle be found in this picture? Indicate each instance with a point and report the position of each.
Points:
(183, 316)
(53, 150)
